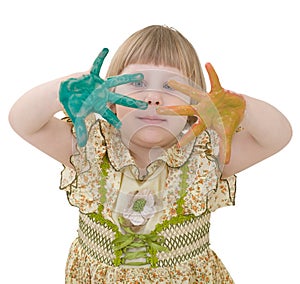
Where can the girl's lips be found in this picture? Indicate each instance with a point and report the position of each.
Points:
(152, 119)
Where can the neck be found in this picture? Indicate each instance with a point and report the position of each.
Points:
(144, 156)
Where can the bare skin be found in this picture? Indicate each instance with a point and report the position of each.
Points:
(220, 109)
(265, 129)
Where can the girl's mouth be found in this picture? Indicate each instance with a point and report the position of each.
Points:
(151, 119)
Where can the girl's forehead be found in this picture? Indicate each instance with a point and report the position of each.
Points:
(141, 68)
(156, 74)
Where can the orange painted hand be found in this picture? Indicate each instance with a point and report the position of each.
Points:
(220, 109)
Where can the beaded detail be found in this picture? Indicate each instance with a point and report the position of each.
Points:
(96, 239)
(185, 240)
(181, 242)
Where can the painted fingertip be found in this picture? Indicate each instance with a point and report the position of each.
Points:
(139, 76)
(158, 110)
(118, 125)
(142, 105)
(105, 50)
(81, 142)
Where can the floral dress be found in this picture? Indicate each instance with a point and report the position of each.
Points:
(150, 229)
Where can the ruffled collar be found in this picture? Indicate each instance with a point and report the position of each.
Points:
(120, 156)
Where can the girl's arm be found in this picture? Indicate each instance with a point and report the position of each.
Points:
(265, 131)
(32, 117)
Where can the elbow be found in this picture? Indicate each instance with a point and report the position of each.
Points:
(12, 119)
(288, 134)
(16, 120)
(283, 135)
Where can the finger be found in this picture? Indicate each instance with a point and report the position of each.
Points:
(213, 78)
(123, 100)
(193, 132)
(228, 148)
(123, 79)
(225, 127)
(98, 62)
(81, 132)
(111, 117)
(192, 92)
(187, 110)
(225, 147)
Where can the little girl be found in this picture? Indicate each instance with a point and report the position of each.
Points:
(147, 156)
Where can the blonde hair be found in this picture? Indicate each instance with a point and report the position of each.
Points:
(159, 45)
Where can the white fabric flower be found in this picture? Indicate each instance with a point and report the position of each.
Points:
(141, 208)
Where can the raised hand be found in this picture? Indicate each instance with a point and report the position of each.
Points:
(90, 94)
(220, 109)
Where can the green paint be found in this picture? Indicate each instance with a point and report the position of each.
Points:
(90, 94)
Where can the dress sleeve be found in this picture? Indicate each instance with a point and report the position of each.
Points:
(207, 190)
(224, 192)
(82, 182)
(224, 195)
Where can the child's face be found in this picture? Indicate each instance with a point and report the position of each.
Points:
(145, 127)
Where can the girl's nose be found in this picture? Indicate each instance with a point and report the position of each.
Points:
(153, 99)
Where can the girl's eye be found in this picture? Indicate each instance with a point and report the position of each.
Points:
(167, 87)
(140, 84)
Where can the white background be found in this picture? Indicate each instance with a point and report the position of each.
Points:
(254, 46)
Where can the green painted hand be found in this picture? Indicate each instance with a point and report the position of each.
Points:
(90, 94)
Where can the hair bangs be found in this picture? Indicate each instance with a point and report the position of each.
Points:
(159, 45)
(153, 48)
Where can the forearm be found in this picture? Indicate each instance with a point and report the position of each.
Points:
(265, 131)
(266, 124)
(36, 108)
